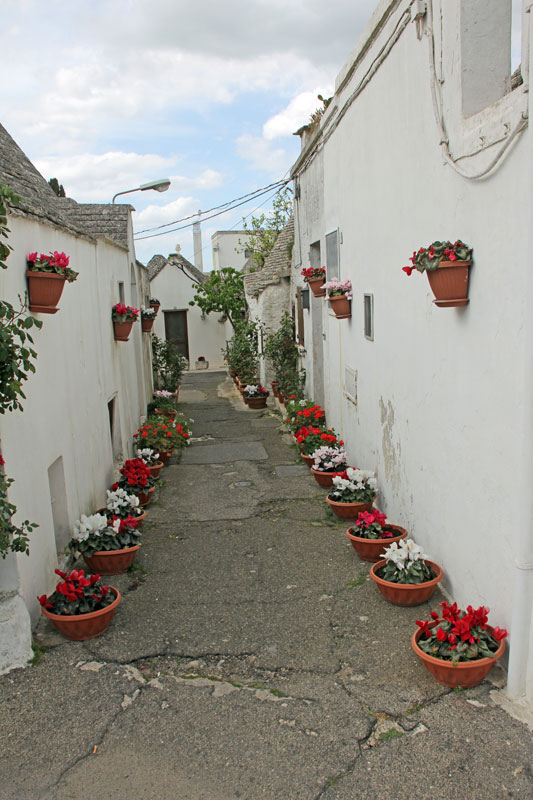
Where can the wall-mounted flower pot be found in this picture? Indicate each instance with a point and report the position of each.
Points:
(147, 325)
(449, 283)
(122, 330)
(44, 290)
(315, 285)
(341, 306)
(156, 307)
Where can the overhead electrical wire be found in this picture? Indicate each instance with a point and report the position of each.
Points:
(225, 207)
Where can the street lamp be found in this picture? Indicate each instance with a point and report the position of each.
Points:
(160, 186)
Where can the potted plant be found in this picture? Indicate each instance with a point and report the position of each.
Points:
(136, 478)
(447, 266)
(315, 276)
(147, 319)
(303, 412)
(122, 504)
(353, 492)
(108, 546)
(405, 577)
(371, 533)
(165, 403)
(255, 395)
(152, 460)
(163, 437)
(46, 276)
(327, 462)
(201, 363)
(80, 608)
(458, 647)
(123, 318)
(155, 304)
(339, 296)
(310, 438)
(168, 365)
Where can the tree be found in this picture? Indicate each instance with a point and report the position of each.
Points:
(223, 292)
(265, 229)
(56, 187)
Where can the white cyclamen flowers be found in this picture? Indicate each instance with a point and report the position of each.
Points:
(404, 552)
(357, 479)
(93, 525)
(149, 456)
(329, 459)
(120, 500)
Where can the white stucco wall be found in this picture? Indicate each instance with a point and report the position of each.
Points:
(228, 249)
(443, 395)
(206, 336)
(79, 369)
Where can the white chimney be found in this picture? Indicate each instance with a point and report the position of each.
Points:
(197, 242)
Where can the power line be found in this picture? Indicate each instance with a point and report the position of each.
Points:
(250, 195)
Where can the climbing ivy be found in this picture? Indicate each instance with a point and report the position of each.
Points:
(15, 364)
(16, 352)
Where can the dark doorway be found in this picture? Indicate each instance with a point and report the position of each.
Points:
(176, 330)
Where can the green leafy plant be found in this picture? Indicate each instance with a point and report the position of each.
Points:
(168, 364)
(223, 292)
(429, 258)
(243, 351)
(16, 353)
(264, 230)
(281, 351)
(13, 538)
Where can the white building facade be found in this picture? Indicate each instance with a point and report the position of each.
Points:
(426, 138)
(84, 401)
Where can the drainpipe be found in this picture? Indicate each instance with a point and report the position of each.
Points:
(521, 644)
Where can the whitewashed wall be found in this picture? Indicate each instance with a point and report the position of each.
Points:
(206, 336)
(228, 249)
(443, 395)
(80, 368)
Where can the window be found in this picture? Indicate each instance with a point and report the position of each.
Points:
(121, 295)
(369, 316)
(332, 255)
(314, 255)
(299, 317)
(248, 253)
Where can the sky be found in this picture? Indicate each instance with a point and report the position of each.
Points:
(109, 94)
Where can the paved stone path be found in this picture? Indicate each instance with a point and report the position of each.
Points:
(251, 656)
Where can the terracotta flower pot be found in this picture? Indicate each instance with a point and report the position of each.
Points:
(256, 402)
(449, 283)
(156, 469)
(145, 497)
(81, 627)
(44, 290)
(315, 285)
(372, 549)
(165, 456)
(309, 460)
(156, 307)
(406, 594)
(122, 330)
(463, 673)
(275, 385)
(323, 478)
(341, 306)
(147, 325)
(111, 562)
(162, 413)
(348, 510)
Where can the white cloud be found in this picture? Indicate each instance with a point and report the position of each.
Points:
(263, 156)
(296, 114)
(161, 214)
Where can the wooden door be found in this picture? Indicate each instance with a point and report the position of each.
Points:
(176, 330)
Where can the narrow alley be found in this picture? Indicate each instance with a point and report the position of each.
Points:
(251, 656)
